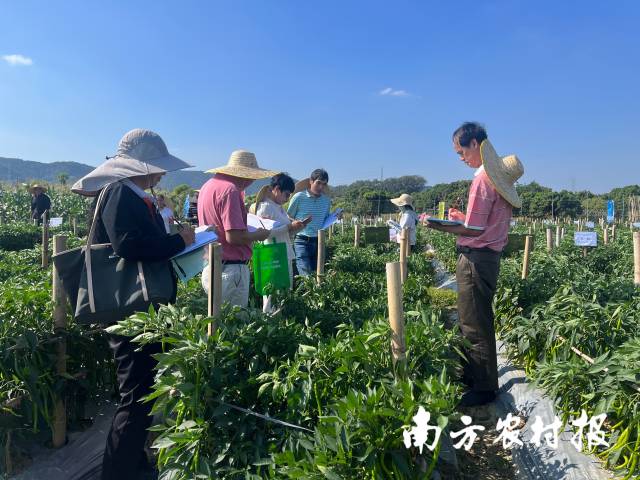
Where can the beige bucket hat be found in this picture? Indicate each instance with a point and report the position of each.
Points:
(402, 200)
(503, 172)
(243, 164)
(140, 152)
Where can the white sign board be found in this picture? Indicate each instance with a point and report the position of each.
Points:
(585, 239)
(55, 221)
(589, 225)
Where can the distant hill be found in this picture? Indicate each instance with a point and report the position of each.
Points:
(17, 170)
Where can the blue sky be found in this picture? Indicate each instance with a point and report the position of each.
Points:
(351, 86)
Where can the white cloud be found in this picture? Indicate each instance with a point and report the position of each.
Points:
(393, 93)
(17, 60)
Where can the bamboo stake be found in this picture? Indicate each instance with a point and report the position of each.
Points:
(356, 236)
(403, 255)
(74, 223)
(525, 260)
(562, 234)
(591, 361)
(214, 300)
(557, 236)
(396, 316)
(549, 240)
(342, 227)
(636, 258)
(584, 252)
(613, 232)
(45, 239)
(59, 426)
(605, 235)
(321, 256)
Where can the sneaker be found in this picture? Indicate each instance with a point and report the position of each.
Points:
(477, 398)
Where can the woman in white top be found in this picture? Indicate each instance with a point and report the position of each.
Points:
(164, 207)
(408, 218)
(269, 203)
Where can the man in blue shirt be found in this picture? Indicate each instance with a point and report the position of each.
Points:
(310, 203)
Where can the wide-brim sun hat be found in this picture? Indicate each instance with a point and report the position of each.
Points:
(402, 200)
(243, 164)
(302, 185)
(503, 172)
(305, 184)
(33, 187)
(140, 152)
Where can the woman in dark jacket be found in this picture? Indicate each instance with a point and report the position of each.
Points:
(128, 218)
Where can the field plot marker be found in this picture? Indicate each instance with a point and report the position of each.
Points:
(59, 427)
(214, 301)
(525, 260)
(396, 315)
(321, 256)
(636, 258)
(45, 239)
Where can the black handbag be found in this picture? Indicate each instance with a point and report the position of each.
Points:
(105, 288)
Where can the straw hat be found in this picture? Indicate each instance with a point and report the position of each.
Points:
(305, 184)
(140, 152)
(243, 164)
(503, 172)
(33, 187)
(402, 200)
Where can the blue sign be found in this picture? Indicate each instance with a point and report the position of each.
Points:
(610, 211)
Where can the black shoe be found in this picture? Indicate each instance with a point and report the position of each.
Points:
(476, 399)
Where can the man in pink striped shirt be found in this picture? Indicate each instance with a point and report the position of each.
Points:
(481, 237)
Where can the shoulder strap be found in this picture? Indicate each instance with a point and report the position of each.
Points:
(87, 252)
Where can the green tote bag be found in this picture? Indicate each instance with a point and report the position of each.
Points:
(270, 266)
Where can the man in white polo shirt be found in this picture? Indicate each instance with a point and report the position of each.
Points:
(311, 202)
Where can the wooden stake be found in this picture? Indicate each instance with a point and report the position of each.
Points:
(214, 299)
(636, 258)
(321, 256)
(549, 240)
(562, 234)
(74, 223)
(557, 236)
(584, 252)
(525, 260)
(605, 234)
(403, 255)
(45, 239)
(342, 227)
(396, 316)
(356, 236)
(59, 424)
(613, 232)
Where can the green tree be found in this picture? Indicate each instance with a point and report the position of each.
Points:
(63, 177)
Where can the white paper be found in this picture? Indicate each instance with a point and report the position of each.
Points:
(331, 219)
(55, 221)
(395, 226)
(189, 265)
(202, 239)
(254, 222)
(585, 239)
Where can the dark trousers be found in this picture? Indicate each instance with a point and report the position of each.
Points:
(124, 452)
(306, 249)
(477, 276)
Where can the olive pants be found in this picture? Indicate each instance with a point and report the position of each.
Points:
(477, 276)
